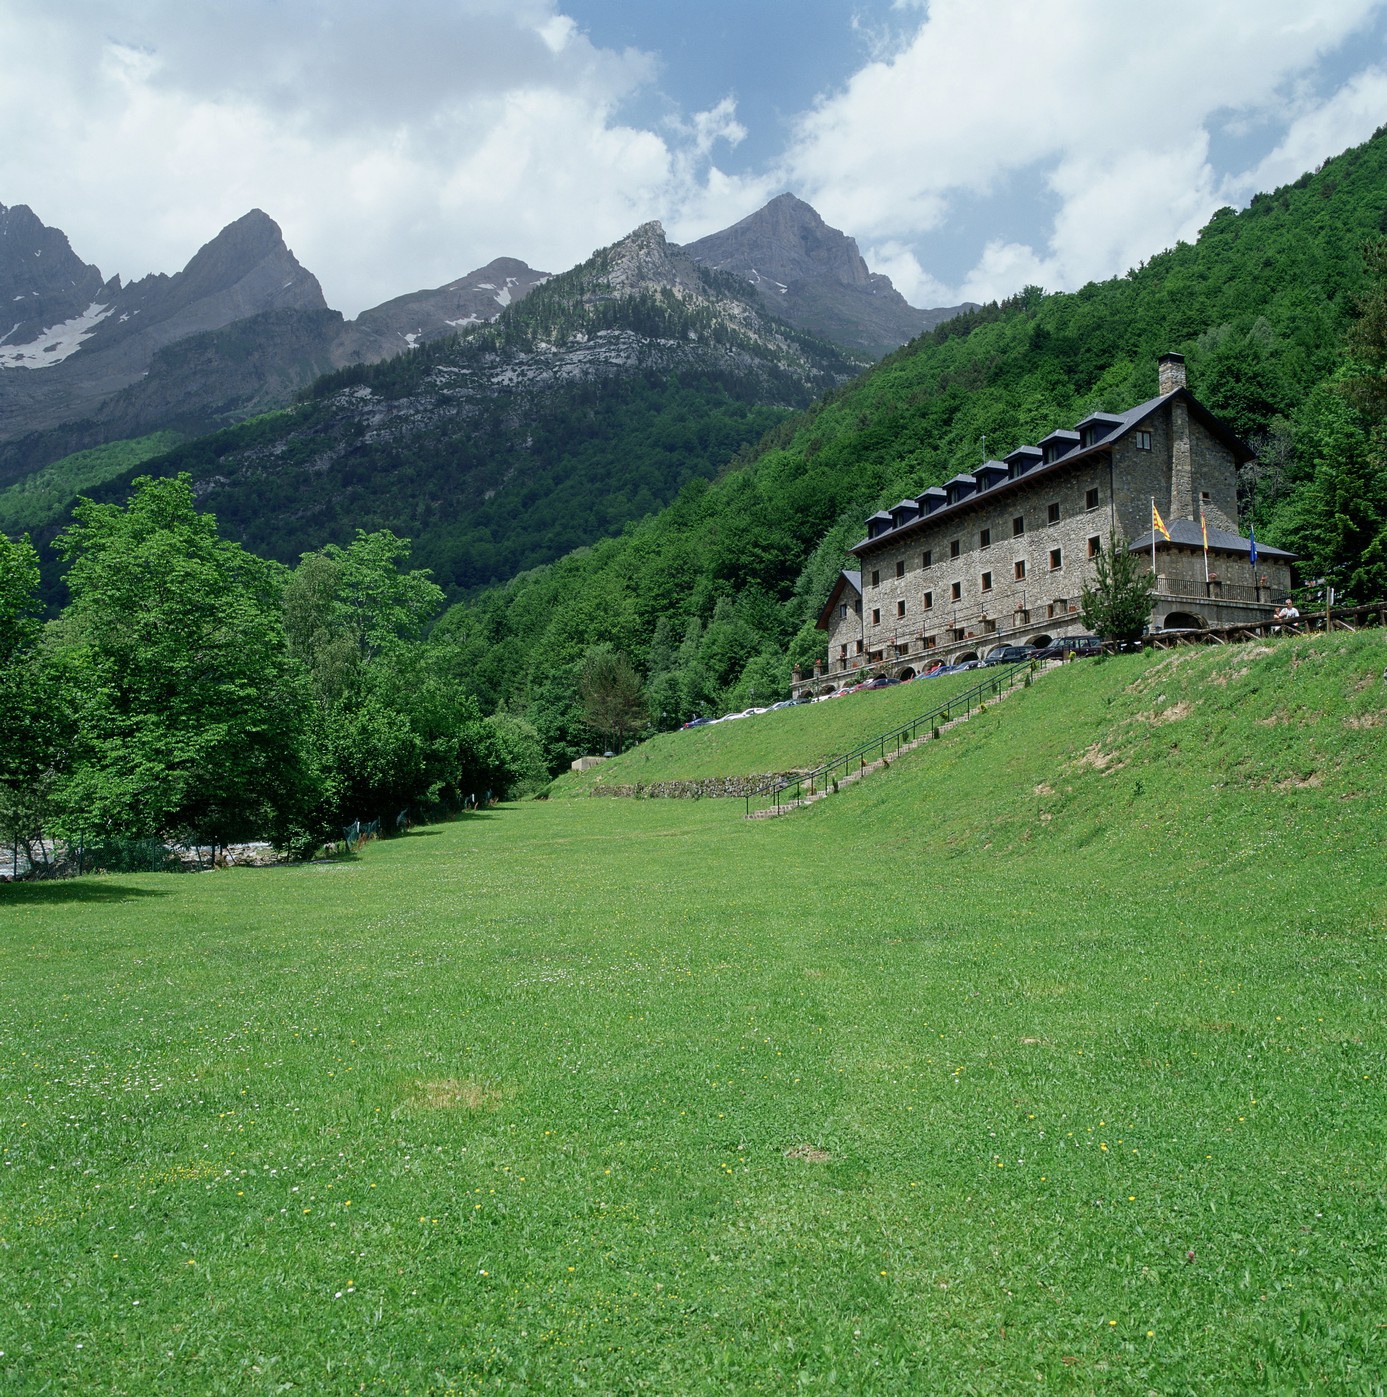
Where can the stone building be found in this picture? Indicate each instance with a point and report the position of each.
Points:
(1001, 555)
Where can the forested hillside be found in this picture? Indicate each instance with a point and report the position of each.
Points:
(586, 405)
(717, 594)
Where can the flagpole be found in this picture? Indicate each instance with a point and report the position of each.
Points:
(1204, 530)
(1153, 540)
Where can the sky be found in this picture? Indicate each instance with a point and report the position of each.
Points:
(970, 146)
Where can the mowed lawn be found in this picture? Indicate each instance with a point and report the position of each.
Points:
(1051, 1058)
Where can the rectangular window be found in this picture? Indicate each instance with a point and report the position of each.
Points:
(956, 591)
(843, 610)
(929, 601)
(1018, 526)
(903, 648)
(1053, 513)
(1056, 559)
(953, 548)
(876, 616)
(987, 582)
(985, 539)
(1019, 571)
(859, 647)
(876, 577)
(1095, 546)
(1091, 499)
(900, 608)
(1143, 441)
(926, 558)
(900, 567)
(931, 641)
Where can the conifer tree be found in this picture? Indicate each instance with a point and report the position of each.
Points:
(1117, 605)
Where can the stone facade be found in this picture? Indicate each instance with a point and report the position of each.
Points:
(1003, 555)
(842, 619)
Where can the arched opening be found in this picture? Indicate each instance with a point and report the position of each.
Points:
(966, 657)
(827, 690)
(1183, 621)
(906, 673)
(1040, 641)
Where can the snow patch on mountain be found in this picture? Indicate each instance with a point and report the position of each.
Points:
(55, 343)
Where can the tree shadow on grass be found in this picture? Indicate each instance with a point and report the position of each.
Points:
(65, 890)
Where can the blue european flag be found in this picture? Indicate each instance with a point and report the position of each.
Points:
(1252, 546)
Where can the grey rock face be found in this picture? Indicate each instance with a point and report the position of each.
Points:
(814, 277)
(240, 329)
(96, 338)
(413, 319)
(42, 281)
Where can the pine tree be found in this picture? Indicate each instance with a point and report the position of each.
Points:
(1118, 604)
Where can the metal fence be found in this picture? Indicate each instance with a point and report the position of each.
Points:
(797, 791)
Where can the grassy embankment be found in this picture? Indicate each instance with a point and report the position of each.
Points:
(795, 739)
(1052, 1057)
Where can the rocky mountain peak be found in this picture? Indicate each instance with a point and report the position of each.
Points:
(646, 258)
(815, 277)
(249, 260)
(42, 281)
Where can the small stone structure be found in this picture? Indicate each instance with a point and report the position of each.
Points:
(715, 787)
(587, 763)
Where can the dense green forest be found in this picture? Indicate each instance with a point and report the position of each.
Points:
(40, 497)
(716, 595)
(193, 692)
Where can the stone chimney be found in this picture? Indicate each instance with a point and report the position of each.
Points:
(1171, 371)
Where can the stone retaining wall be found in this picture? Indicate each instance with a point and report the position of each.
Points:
(714, 787)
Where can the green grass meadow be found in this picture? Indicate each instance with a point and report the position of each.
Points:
(1050, 1059)
(795, 739)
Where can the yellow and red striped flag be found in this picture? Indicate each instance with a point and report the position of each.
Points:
(1157, 523)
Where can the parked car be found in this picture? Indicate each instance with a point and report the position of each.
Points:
(1011, 655)
(882, 682)
(1070, 645)
(699, 722)
(784, 703)
(967, 664)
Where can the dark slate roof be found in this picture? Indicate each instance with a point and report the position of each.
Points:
(1126, 422)
(1186, 532)
(846, 578)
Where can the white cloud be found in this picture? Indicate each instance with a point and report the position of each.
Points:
(1318, 129)
(399, 147)
(1114, 102)
(396, 149)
